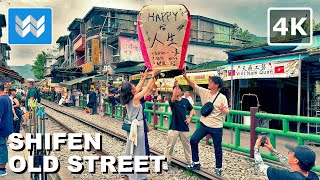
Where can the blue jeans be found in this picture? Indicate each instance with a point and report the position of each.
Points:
(201, 132)
(3, 150)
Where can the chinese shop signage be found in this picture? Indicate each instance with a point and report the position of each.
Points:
(87, 67)
(271, 69)
(130, 49)
(163, 32)
(95, 51)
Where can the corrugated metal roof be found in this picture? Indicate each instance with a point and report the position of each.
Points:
(75, 81)
(75, 24)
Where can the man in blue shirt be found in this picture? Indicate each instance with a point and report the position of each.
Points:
(179, 125)
(93, 101)
(6, 128)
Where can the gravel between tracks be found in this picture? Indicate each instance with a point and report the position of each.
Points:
(235, 166)
(112, 146)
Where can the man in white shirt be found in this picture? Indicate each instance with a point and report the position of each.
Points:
(187, 96)
(211, 124)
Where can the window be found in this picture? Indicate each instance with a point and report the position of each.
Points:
(190, 58)
(222, 34)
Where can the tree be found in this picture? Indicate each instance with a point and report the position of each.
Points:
(38, 66)
(316, 27)
(241, 33)
(244, 34)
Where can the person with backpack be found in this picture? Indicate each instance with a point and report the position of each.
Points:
(213, 114)
(31, 95)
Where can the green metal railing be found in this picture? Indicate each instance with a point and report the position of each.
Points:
(300, 137)
(47, 95)
(272, 133)
(83, 101)
(108, 109)
(155, 110)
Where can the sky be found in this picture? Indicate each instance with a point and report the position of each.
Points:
(248, 14)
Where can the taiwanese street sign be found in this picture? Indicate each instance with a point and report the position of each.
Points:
(257, 69)
(87, 68)
(198, 78)
(95, 51)
(164, 32)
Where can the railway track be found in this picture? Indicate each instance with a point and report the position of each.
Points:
(177, 162)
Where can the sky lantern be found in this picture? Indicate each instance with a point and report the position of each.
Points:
(164, 32)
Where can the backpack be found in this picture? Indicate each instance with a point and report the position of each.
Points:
(38, 95)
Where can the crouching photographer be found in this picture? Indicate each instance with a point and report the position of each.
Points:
(300, 161)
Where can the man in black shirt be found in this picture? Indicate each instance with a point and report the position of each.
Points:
(300, 162)
(93, 101)
(179, 125)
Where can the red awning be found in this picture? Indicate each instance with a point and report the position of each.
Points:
(11, 73)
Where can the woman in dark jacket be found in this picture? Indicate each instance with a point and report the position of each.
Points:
(17, 109)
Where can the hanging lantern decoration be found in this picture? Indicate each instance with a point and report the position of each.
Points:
(164, 32)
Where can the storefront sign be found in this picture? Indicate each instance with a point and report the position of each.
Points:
(198, 78)
(138, 77)
(271, 69)
(95, 51)
(87, 67)
(130, 49)
(165, 84)
(164, 32)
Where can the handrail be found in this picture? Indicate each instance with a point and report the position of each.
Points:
(153, 112)
(77, 38)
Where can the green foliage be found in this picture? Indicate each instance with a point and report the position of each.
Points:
(38, 66)
(316, 27)
(190, 173)
(242, 33)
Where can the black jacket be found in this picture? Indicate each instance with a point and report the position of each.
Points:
(92, 97)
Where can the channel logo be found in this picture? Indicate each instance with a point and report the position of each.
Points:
(289, 23)
(29, 26)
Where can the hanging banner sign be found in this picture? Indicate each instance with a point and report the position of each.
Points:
(165, 84)
(271, 69)
(198, 78)
(129, 49)
(164, 32)
(87, 68)
(95, 51)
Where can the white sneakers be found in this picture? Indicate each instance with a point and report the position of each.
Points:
(166, 166)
